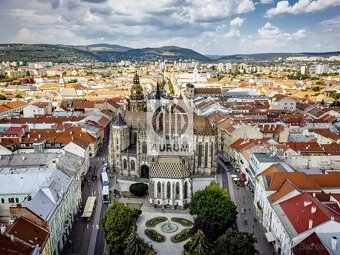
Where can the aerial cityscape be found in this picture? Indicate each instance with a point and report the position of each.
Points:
(170, 127)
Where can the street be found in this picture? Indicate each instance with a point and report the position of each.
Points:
(87, 237)
(243, 198)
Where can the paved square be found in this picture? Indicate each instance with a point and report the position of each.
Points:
(167, 247)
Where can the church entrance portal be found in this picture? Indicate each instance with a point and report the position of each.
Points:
(144, 172)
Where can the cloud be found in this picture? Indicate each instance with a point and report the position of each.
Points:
(94, 1)
(302, 6)
(266, 1)
(270, 34)
(235, 25)
(334, 22)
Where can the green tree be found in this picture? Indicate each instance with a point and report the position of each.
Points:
(18, 96)
(119, 222)
(197, 245)
(214, 204)
(211, 230)
(135, 245)
(139, 189)
(2, 97)
(235, 243)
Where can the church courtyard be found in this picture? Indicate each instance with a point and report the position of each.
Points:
(167, 247)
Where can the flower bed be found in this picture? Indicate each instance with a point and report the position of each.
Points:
(154, 235)
(181, 236)
(155, 221)
(182, 221)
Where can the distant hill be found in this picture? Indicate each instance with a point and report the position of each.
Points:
(152, 54)
(44, 52)
(107, 52)
(94, 52)
(101, 47)
(271, 56)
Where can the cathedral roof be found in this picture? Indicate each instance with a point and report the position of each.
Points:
(139, 119)
(119, 122)
(169, 167)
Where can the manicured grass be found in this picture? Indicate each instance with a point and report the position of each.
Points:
(128, 194)
(134, 205)
(181, 236)
(182, 221)
(154, 235)
(155, 221)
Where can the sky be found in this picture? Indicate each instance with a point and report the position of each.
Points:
(215, 27)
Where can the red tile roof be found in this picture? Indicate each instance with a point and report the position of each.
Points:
(316, 247)
(29, 232)
(7, 247)
(298, 210)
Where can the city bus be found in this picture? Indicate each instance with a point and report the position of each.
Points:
(106, 187)
(89, 207)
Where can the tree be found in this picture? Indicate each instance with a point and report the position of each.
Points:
(119, 221)
(211, 230)
(18, 96)
(139, 189)
(214, 204)
(197, 244)
(135, 245)
(235, 243)
(2, 97)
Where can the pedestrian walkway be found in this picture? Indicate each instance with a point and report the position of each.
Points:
(246, 221)
(167, 247)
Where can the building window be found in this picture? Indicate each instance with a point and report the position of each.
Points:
(144, 148)
(168, 190)
(185, 190)
(177, 191)
(2, 200)
(206, 150)
(212, 153)
(17, 200)
(200, 154)
(11, 200)
(125, 164)
(132, 165)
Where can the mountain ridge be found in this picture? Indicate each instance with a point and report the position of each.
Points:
(103, 52)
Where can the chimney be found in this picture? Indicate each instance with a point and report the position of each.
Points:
(310, 224)
(3, 228)
(307, 203)
(334, 242)
(313, 209)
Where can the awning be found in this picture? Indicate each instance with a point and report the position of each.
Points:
(243, 177)
(270, 237)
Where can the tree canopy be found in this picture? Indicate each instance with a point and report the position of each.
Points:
(236, 243)
(135, 245)
(119, 222)
(214, 204)
(197, 245)
(210, 229)
(139, 189)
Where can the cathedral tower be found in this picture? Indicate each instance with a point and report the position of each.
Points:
(137, 96)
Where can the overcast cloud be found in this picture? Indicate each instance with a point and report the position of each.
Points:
(207, 26)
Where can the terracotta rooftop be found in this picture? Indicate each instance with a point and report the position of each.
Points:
(285, 189)
(29, 232)
(7, 247)
(315, 244)
(298, 210)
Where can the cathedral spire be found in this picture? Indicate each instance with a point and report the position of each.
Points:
(158, 91)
